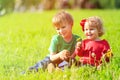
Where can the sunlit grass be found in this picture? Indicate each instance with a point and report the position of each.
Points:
(25, 39)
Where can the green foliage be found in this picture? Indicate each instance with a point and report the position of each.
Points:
(107, 3)
(25, 38)
(117, 3)
(8, 5)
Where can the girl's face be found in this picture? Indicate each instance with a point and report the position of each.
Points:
(64, 30)
(91, 32)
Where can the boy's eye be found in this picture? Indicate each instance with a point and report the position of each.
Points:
(57, 28)
(63, 27)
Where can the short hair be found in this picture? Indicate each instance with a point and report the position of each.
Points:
(95, 21)
(61, 18)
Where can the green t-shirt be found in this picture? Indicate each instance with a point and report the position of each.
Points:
(58, 44)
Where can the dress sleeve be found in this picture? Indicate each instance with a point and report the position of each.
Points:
(106, 46)
(106, 50)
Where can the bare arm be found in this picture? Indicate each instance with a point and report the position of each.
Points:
(63, 55)
(77, 47)
(54, 56)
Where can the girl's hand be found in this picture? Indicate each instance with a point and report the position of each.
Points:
(99, 67)
(109, 53)
(78, 45)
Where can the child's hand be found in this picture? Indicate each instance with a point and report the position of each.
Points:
(78, 44)
(108, 54)
(64, 55)
(99, 67)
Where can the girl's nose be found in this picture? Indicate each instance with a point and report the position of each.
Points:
(88, 31)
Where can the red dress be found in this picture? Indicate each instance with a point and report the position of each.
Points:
(92, 51)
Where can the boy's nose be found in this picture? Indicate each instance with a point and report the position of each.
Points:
(60, 30)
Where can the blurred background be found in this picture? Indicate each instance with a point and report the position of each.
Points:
(8, 6)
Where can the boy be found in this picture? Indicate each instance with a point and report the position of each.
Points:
(62, 45)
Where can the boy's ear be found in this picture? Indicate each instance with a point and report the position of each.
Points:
(71, 24)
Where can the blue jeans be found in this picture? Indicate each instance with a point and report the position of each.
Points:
(41, 64)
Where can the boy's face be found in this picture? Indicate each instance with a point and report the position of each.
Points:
(65, 30)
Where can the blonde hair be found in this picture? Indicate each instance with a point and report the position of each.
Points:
(95, 21)
(61, 18)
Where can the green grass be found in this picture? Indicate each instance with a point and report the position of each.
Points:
(25, 38)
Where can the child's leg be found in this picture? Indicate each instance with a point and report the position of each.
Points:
(41, 64)
(51, 67)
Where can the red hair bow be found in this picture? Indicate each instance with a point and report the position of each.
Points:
(82, 23)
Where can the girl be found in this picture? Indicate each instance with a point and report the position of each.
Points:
(92, 49)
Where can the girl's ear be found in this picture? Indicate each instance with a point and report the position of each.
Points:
(99, 32)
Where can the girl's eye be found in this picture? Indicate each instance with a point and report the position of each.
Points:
(91, 29)
(86, 29)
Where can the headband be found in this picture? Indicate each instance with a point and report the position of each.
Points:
(82, 23)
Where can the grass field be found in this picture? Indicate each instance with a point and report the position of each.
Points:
(25, 38)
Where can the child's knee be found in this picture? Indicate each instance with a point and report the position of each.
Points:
(50, 67)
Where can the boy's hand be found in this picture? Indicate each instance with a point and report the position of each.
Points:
(64, 55)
